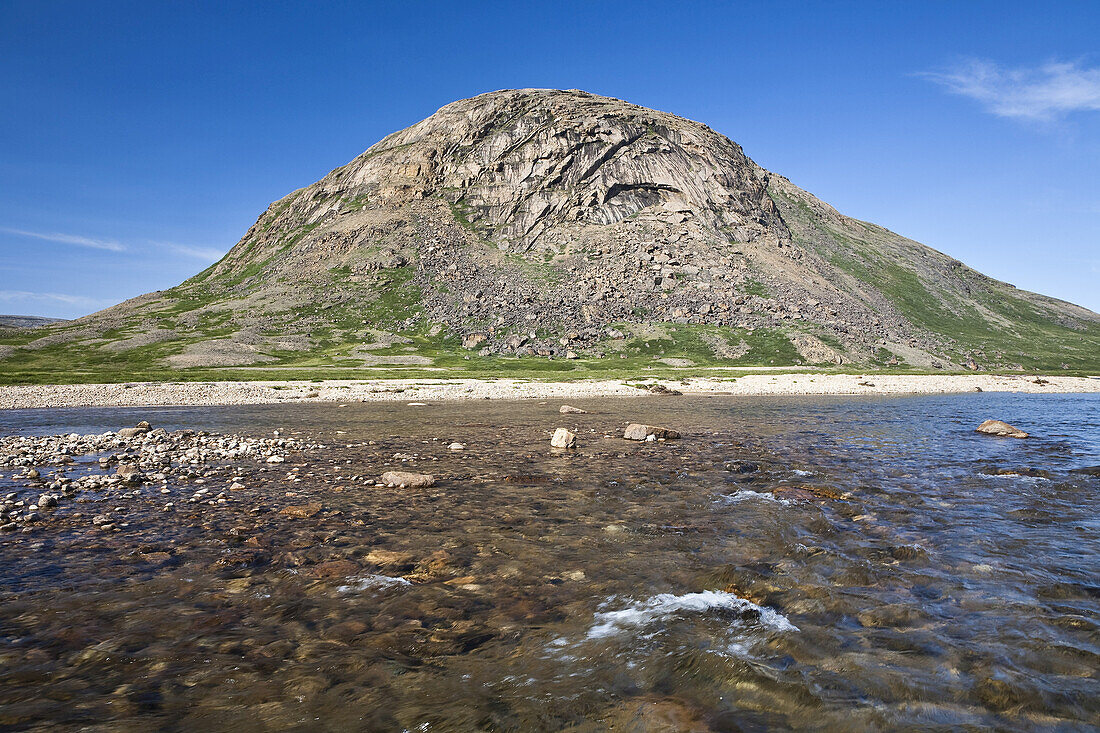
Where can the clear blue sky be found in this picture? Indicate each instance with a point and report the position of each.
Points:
(139, 140)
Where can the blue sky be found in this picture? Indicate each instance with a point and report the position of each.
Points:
(140, 140)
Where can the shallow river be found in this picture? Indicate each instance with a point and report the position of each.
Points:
(885, 568)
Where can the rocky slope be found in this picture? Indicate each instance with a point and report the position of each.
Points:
(541, 223)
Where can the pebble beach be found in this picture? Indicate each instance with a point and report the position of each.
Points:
(379, 390)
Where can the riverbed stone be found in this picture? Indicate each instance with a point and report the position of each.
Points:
(302, 511)
(1000, 429)
(407, 479)
(638, 431)
(563, 439)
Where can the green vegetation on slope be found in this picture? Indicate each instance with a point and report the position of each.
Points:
(973, 315)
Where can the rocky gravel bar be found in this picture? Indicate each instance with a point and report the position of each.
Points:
(149, 394)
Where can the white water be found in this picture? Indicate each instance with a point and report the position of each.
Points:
(664, 605)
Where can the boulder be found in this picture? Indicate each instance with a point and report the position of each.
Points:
(1000, 429)
(563, 439)
(407, 479)
(637, 431)
(129, 474)
(140, 429)
(473, 340)
(570, 410)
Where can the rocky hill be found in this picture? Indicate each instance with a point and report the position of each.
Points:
(522, 227)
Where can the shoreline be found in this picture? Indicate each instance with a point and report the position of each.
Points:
(166, 394)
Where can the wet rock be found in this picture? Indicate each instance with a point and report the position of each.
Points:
(407, 480)
(661, 389)
(334, 569)
(655, 715)
(570, 410)
(563, 439)
(1022, 471)
(302, 511)
(1001, 693)
(793, 493)
(390, 559)
(1087, 470)
(243, 558)
(908, 552)
(461, 637)
(437, 566)
(140, 429)
(821, 492)
(741, 467)
(129, 474)
(637, 431)
(1000, 429)
(47, 501)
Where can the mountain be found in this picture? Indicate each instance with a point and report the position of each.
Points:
(540, 229)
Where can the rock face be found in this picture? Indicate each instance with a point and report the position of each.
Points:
(1001, 429)
(544, 223)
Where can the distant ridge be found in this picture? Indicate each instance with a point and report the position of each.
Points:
(27, 321)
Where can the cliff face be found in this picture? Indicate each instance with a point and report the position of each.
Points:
(551, 223)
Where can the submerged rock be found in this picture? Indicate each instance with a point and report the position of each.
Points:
(1000, 429)
(563, 439)
(1087, 470)
(407, 480)
(302, 511)
(637, 431)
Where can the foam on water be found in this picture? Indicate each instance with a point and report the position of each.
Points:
(1011, 476)
(372, 582)
(745, 494)
(664, 605)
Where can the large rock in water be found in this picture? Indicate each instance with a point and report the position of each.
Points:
(637, 431)
(1000, 429)
(407, 479)
(546, 223)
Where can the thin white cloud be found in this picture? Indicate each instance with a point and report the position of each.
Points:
(24, 296)
(1040, 93)
(208, 254)
(67, 239)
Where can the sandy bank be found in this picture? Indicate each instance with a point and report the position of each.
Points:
(424, 390)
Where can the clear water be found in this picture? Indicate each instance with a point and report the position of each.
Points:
(621, 586)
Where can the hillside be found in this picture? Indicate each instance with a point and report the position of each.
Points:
(540, 230)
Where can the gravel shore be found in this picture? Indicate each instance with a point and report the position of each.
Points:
(425, 390)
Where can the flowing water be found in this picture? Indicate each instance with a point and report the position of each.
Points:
(885, 568)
